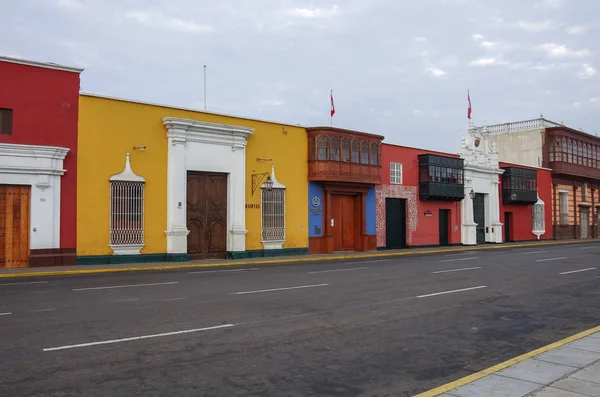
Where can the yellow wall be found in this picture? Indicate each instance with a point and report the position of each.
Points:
(110, 128)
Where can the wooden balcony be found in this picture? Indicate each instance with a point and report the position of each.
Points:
(343, 171)
(570, 169)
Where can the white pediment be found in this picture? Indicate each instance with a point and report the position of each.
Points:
(478, 150)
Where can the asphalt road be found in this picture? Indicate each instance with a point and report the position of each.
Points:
(386, 327)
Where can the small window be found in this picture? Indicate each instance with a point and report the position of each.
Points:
(355, 151)
(364, 155)
(323, 148)
(126, 213)
(374, 154)
(273, 215)
(396, 173)
(335, 148)
(6, 121)
(563, 200)
(345, 149)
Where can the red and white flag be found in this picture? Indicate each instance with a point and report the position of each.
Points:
(332, 105)
(469, 110)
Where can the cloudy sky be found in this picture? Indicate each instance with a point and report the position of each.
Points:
(397, 68)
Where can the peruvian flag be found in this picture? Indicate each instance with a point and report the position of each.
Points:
(332, 105)
(469, 110)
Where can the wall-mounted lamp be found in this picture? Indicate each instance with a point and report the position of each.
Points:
(472, 194)
(283, 131)
(269, 184)
(141, 147)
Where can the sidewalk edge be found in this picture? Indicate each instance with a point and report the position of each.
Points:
(108, 269)
(498, 367)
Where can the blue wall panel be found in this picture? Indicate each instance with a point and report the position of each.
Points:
(371, 212)
(315, 213)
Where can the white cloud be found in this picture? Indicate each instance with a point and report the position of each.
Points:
(536, 26)
(586, 71)
(313, 13)
(271, 102)
(575, 30)
(436, 72)
(482, 62)
(477, 37)
(561, 51)
(154, 19)
(420, 39)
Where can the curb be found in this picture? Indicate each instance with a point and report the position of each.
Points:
(281, 261)
(509, 363)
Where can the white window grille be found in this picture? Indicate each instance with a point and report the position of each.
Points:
(396, 173)
(538, 219)
(563, 203)
(273, 213)
(126, 211)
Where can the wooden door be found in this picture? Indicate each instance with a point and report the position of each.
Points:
(508, 226)
(584, 222)
(479, 216)
(14, 226)
(207, 215)
(344, 226)
(395, 223)
(444, 227)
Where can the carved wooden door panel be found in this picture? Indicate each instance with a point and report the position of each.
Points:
(207, 215)
(14, 226)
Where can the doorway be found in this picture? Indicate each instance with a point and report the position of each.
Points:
(14, 226)
(584, 222)
(508, 222)
(479, 216)
(206, 215)
(444, 225)
(343, 213)
(395, 223)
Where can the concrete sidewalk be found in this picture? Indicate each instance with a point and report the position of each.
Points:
(569, 368)
(216, 263)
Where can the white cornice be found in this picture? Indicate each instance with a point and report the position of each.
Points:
(184, 130)
(35, 151)
(46, 65)
(127, 175)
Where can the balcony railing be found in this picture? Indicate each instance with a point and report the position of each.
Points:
(440, 191)
(522, 125)
(517, 196)
(343, 171)
(564, 168)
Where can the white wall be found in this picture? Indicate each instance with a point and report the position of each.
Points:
(519, 147)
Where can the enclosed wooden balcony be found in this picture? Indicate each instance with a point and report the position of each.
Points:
(337, 155)
(572, 153)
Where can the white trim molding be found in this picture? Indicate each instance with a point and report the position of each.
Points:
(205, 147)
(127, 194)
(45, 65)
(278, 243)
(40, 167)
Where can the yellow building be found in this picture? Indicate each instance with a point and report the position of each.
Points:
(158, 183)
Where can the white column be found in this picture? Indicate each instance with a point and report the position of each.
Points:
(469, 228)
(177, 230)
(236, 240)
(496, 236)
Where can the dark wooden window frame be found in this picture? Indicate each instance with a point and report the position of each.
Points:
(6, 121)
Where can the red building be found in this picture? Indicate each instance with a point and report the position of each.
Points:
(418, 203)
(520, 188)
(38, 163)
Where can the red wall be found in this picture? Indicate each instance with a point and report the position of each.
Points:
(521, 218)
(45, 105)
(421, 229)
